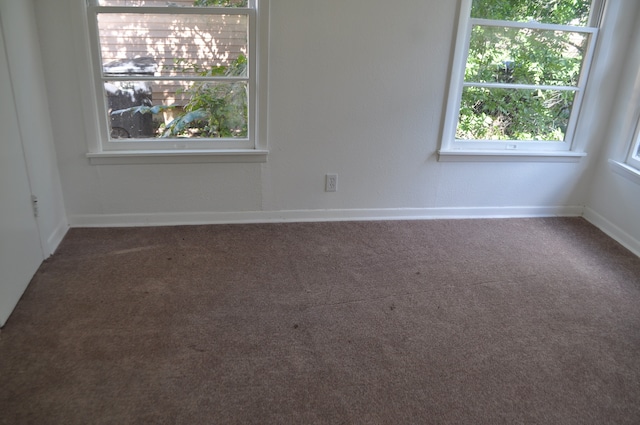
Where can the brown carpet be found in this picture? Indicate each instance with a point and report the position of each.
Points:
(517, 321)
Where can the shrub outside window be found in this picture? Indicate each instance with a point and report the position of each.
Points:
(519, 74)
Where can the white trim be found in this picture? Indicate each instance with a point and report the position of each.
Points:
(460, 155)
(175, 219)
(530, 25)
(177, 156)
(634, 160)
(633, 156)
(597, 12)
(163, 144)
(175, 78)
(612, 231)
(457, 81)
(104, 150)
(54, 240)
(625, 170)
(172, 10)
(261, 41)
(514, 86)
(460, 53)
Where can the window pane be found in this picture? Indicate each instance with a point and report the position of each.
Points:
(525, 56)
(514, 114)
(174, 3)
(154, 109)
(173, 45)
(561, 12)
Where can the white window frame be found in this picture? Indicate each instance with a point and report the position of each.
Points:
(453, 149)
(629, 166)
(633, 158)
(253, 148)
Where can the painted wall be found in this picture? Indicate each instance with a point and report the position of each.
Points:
(356, 88)
(614, 204)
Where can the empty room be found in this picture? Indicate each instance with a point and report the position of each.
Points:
(334, 212)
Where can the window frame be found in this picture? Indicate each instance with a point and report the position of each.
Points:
(453, 149)
(253, 148)
(633, 157)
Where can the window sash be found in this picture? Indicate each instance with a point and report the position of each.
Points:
(173, 143)
(531, 25)
(458, 83)
(251, 4)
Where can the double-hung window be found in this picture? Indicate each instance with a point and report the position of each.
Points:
(176, 76)
(519, 75)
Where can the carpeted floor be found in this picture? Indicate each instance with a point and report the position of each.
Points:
(515, 321)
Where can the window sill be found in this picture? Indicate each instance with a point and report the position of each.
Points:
(460, 155)
(625, 170)
(176, 157)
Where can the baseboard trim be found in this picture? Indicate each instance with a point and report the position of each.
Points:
(176, 219)
(54, 240)
(612, 230)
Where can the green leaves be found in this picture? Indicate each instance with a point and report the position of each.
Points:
(522, 56)
(214, 109)
(223, 105)
(513, 114)
(181, 123)
(561, 12)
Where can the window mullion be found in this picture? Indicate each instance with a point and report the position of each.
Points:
(531, 25)
(520, 86)
(171, 78)
(159, 10)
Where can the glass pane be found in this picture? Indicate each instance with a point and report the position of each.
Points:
(160, 109)
(514, 114)
(175, 3)
(561, 12)
(525, 56)
(173, 45)
(637, 155)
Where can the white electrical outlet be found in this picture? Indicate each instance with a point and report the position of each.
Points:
(331, 183)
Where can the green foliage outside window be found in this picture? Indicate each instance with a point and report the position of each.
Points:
(561, 12)
(522, 56)
(215, 109)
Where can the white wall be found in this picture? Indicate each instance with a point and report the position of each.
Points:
(30, 94)
(614, 204)
(356, 88)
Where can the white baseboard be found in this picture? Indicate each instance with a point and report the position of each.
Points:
(175, 219)
(612, 230)
(55, 238)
